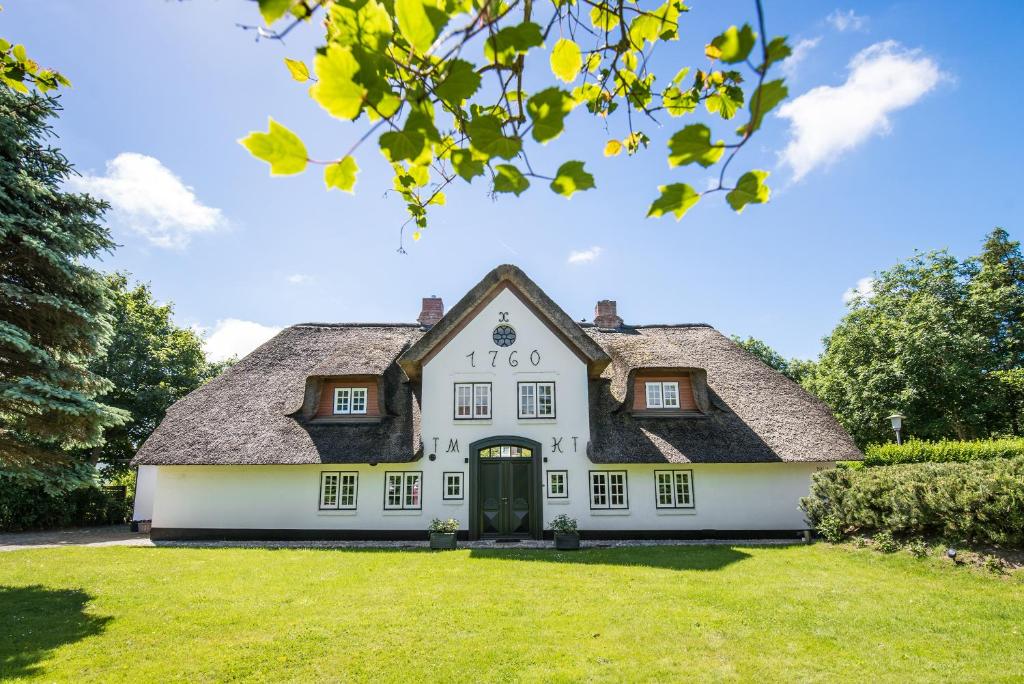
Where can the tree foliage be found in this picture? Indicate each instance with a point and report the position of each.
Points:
(53, 320)
(939, 341)
(151, 363)
(445, 88)
(794, 369)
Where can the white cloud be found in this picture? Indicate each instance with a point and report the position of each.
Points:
(827, 121)
(846, 21)
(299, 279)
(233, 337)
(148, 198)
(800, 52)
(865, 289)
(585, 256)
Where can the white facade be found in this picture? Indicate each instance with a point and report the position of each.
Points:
(725, 497)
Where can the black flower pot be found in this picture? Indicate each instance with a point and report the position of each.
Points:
(567, 541)
(442, 540)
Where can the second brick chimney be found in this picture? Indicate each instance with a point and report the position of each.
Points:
(433, 310)
(605, 315)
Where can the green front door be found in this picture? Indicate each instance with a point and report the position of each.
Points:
(505, 491)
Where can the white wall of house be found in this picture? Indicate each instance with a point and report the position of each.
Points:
(726, 497)
(145, 490)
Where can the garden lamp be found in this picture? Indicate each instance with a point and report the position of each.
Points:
(897, 424)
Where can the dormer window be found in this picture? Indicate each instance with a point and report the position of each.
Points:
(662, 394)
(349, 400)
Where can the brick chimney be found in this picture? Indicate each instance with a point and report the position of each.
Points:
(433, 310)
(605, 315)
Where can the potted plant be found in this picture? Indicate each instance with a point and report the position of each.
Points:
(567, 537)
(442, 533)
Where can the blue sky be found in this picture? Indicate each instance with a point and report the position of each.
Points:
(912, 148)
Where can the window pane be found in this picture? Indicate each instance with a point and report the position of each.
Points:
(482, 401)
(453, 486)
(348, 491)
(599, 490)
(617, 490)
(670, 394)
(463, 401)
(654, 395)
(359, 400)
(527, 400)
(556, 484)
(682, 489)
(545, 399)
(665, 489)
(341, 400)
(412, 490)
(394, 490)
(329, 490)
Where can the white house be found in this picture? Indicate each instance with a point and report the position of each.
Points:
(501, 413)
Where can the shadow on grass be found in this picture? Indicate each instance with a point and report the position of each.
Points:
(35, 620)
(663, 557)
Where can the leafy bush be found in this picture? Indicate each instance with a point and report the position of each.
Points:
(830, 528)
(563, 524)
(918, 548)
(885, 543)
(944, 451)
(981, 501)
(35, 499)
(449, 526)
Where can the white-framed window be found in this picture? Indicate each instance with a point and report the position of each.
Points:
(472, 400)
(673, 488)
(329, 490)
(608, 489)
(536, 400)
(348, 400)
(662, 394)
(558, 484)
(339, 491)
(452, 487)
(403, 491)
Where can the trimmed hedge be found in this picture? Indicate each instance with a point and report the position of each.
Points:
(981, 501)
(28, 505)
(945, 451)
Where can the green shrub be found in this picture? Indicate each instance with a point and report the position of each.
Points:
(918, 548)
(830, 527)
(944, 451)
(980, 501)
(65, 497)
(449, 526)
(885, 543)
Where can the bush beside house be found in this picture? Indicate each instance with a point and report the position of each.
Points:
(943, 451)
(980, 501)
(35, 500)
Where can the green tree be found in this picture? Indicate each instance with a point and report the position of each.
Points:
(796, 370)
(998, 295)
(914, 346)
(53, 320)
(151, 363)
(441, 85)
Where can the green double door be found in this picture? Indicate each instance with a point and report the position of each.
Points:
(505, 492)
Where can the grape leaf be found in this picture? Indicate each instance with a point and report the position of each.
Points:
(566, 60)
(342, 175)
(675, 199)
(335, 90)
(507, 178)
(734, 45)
(750, 189)
(571, 178)
(693, 144)
(282, 149)
(298, 70)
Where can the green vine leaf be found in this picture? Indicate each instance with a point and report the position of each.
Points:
(279, 147)
(459, 84)
(734, 45)
(693, 145)
(675, 199)
(415, 24)
(510, 42)
(298, 70)
(465, 165)
(342, 175)
(566, 60)
(764, 99)
(548, 109)
(402, 145)
(335, 90)
(508, 178)
(272, 10)
(572, 178)
(750, 189)
(485, 136)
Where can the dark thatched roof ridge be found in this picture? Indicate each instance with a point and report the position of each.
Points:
(505, 275)
(249, 414)
(755, 413)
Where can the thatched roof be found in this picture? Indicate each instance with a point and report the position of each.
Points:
(752, 413)
(259, 411)
(251, 415)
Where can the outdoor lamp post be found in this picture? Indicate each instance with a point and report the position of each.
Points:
(897, 424)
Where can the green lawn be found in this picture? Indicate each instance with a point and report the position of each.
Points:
(656, 614)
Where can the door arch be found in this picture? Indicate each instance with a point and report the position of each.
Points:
(500, 472)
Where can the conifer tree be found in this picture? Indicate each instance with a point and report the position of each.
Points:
(53, 306)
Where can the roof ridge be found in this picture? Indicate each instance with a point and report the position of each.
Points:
(355, 325)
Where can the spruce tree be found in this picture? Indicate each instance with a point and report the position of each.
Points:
(53, 307)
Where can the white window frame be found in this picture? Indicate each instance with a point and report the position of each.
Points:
(534, 390)
(680, 489)
(330, 490)
(476, 390)
(602, 489)
(410, 490)
(564, 484)
(447, 480)
(350, 395)
(656, 396)
(348, 488)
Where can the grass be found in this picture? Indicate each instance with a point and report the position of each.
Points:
(804, 613)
